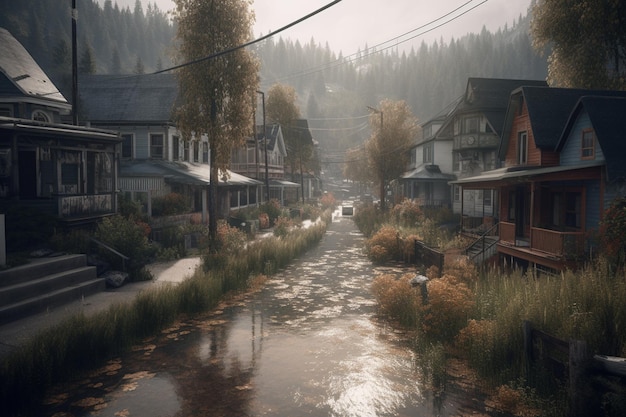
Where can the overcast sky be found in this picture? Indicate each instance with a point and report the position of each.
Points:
(352, 24)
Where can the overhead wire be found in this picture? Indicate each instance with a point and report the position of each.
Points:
(373, 50)
(252, 42)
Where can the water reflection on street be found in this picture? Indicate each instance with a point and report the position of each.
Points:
(307, 344)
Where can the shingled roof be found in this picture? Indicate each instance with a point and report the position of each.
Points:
(21, 75)
(148, 98)
(491, 97)
(549, 109)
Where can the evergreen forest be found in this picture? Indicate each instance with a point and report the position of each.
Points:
(333, 90)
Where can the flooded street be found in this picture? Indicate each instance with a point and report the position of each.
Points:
(307, 344)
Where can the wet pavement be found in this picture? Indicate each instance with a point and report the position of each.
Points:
(308, 343)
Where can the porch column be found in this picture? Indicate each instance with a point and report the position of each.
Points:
(462, 195)
(205, 215)
(532, 209)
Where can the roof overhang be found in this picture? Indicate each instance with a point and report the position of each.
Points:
(504, 176)
(283, 184)
(39, 128)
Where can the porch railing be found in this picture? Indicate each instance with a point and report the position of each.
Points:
(553, 242)
(507, 232)
(556, 242)
(84, 205)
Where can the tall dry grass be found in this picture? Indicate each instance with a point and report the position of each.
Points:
(81, 342)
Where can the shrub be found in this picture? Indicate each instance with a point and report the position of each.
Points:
(170, 204)
(264, 221)
(282, 226)
(387, 238)
(73, 241)
(272, 209)
(368, 219)
(127, 237)
(231, 240)
(328, 201)
(613, 230)
(450, 303)
(397, 299)
(407, 213)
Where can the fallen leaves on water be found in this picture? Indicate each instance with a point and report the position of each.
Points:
(139, 375)
(89, 402)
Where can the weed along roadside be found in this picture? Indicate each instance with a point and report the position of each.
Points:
(84, 341)
(474, 319)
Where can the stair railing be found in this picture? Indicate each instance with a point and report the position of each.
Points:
(482, 242)
(123, 257)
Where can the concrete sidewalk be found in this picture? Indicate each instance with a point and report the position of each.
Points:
(18, 332)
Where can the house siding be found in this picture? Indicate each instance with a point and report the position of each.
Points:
(570, 155)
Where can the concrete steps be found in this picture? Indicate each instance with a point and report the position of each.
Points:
(46, 283)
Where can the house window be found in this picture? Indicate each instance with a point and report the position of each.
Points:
(522, 148)
(196, 151)
(456, 161)
(40, 116)
(587, 150)
(205, 152)
(457, 193)
(428, 153)
(156, 146)
(70, 175)
(127, 145)
(186, 150)
(487, 198)
(6, 112)
(470, 125)
(175, 148)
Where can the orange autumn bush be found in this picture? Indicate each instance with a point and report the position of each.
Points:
(450, 303)
(397, 299)
(385, 245)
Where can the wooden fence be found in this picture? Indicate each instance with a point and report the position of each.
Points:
(428, 256)
(571, 363)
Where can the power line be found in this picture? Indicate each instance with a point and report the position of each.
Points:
(356, 56)
(245, 45)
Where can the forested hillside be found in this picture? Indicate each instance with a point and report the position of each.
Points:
(334, 90)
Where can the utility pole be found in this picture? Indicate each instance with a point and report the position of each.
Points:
(74, 66)
(382, 173)
(267, 178)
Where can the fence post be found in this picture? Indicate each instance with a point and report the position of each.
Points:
(578, 367)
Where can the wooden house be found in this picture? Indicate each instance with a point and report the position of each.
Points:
(474, 127)
(155, 160)
(250, 161)
(430, 166)
(63, 170)
(564, 162)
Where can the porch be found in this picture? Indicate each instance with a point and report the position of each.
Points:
(553, 248)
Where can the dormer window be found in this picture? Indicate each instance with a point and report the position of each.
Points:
(471, 124)
(587, 149)
(40, 116)
(522, 148)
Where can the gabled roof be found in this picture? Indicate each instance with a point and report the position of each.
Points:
(608, 118)
(21, 75)
(489, 96)
(274, 136)
(428, 173)
(548, 110)
(147, 98)
(299, 128)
